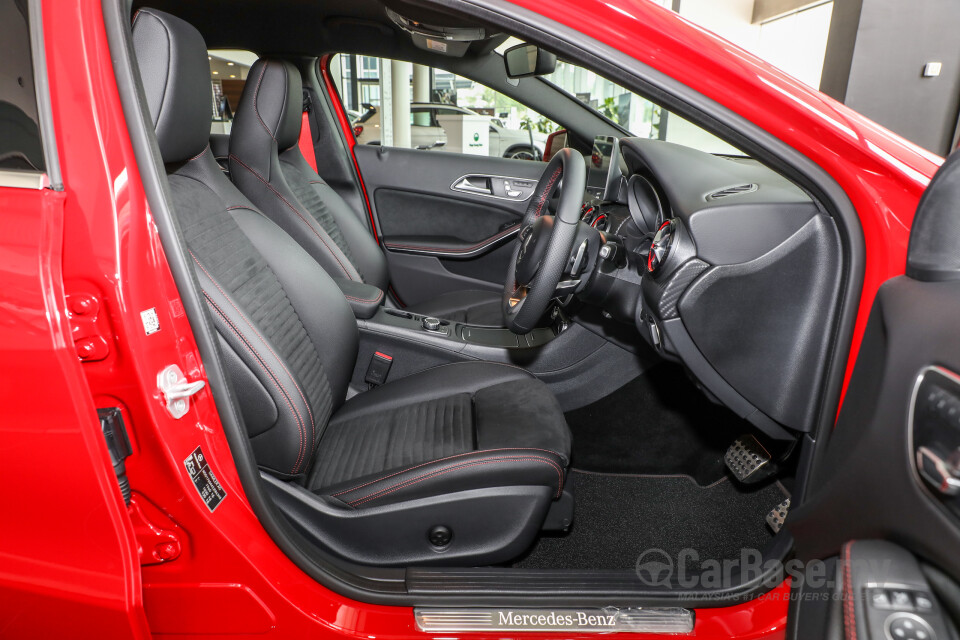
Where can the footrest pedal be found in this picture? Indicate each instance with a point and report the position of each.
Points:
(778, 515)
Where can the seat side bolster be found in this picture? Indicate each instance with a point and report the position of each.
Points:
(274, 197)
(366, 254)
(285, 448)
(319, 302)
(462, 472)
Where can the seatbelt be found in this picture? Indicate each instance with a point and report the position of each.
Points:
(306, 136)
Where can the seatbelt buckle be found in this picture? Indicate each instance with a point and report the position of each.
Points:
(378, 369)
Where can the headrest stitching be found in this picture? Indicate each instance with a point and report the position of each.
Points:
(283, 106)
(205, 149)
(256, 99)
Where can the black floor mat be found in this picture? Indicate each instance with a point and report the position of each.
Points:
(617, 518)
(659, 423)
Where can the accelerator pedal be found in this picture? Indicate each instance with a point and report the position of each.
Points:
(778, 515)
(748, 460)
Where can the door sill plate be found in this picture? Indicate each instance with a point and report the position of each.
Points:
(586, 620)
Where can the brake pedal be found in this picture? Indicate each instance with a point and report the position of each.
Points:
(778, 515)
(748, 460)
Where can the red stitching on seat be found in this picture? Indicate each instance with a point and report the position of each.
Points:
(457, 250)
(296, 211)
(256, 108)
(313, 422)
(377, 299)
(849, 603)
(272, 376)
(459, 455)
(205, 149)
(407, 483)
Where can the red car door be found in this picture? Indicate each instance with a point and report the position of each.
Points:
(879, 524)
(68, 557)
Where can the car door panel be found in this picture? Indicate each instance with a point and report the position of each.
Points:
(406, 213)
(438, 238)
(867, 483)
(890, 470)
(873, 589)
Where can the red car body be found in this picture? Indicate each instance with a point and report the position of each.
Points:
(78, 266)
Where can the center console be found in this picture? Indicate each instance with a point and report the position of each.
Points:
(568, 356)
(468, 334)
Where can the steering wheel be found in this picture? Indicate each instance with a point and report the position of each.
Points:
(545, 242)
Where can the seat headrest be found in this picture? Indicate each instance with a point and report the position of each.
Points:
(271, 109)
(935, 234)
(172, 58)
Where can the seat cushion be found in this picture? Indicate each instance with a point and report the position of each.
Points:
(451, 428)
(470, 307)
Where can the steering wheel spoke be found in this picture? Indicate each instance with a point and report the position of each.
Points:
(542, 255)
(519, 294)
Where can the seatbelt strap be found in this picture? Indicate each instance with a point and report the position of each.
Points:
(306, 136)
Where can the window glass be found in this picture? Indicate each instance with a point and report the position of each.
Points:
(228, 75)
(20, 147)
(636, 114)
(448, 113)
(511, 125)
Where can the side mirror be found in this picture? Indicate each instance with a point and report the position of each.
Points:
(555, 141)
(526, 60)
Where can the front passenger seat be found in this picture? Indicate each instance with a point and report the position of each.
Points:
(266, 163)
(458, 464)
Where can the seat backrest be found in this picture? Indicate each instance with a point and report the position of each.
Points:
(267, 165)
(288, 337)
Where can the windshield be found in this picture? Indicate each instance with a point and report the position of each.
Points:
(639, 116)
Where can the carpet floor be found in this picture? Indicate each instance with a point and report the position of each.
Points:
(659, 423)
(619, 517)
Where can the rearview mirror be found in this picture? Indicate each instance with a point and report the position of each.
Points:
(526, 60)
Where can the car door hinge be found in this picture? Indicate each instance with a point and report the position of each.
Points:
(158, 537)
(176, 390)
(88, 326)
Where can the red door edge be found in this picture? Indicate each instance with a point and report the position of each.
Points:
(334, 96)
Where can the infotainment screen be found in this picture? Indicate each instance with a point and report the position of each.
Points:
(603, 168)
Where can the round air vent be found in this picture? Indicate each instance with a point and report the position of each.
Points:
(660, 248)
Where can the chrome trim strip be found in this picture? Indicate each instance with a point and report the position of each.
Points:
(24, 179)
(501, 238)
(587, 620)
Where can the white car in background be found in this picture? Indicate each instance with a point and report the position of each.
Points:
(426, 132)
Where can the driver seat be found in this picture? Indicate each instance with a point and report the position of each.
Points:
(477, 449)
(268, 167)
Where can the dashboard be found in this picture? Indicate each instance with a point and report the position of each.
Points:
(723, 265)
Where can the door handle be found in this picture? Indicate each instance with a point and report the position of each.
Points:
(940, 473)
(502, 187)
(466, 185)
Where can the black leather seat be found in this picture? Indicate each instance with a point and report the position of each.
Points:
(479, 448)
(267, 165)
